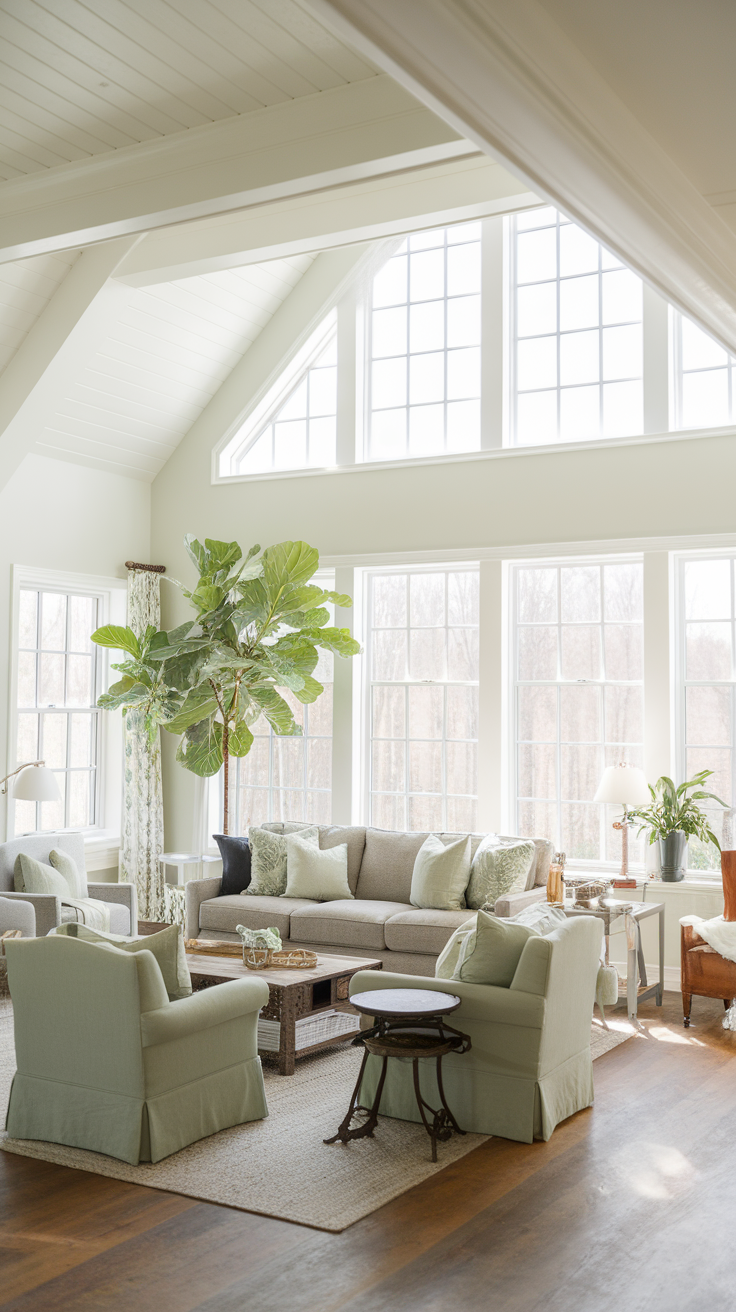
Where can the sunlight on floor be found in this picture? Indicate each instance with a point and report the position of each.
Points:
(655, 1171)
(664, 1035)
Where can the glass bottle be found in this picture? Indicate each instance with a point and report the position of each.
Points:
(555, 886)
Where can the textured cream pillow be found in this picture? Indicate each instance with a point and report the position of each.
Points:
(491, 954)
(499, 868)
(67, 866)
(441, 873)
(446, 962)
(32, 876)
(316, 874)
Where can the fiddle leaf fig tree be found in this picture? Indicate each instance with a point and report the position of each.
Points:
(258, 626)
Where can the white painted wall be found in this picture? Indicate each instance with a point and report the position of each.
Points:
(59, 516)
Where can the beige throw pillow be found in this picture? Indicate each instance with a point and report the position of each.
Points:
(312, 873)
(67, 866)
(441, 874)
(32, 876)
(491, 954)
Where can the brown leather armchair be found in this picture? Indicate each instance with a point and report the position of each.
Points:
(703, 971)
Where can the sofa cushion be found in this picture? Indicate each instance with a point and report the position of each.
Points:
(422, 931)
(316, 873)
(388, 865)
(353, 924)
(226, 913)
(354, 836)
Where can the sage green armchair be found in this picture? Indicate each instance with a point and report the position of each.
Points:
(107, 1063)
(530, 1065)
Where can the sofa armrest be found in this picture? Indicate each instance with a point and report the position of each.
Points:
(203, 1010)
(124, 893)
(47, 908)
(510, 903)
(18, 914)
(479, 1002)
(197, 891)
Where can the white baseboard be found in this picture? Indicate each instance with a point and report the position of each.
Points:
(671, 975)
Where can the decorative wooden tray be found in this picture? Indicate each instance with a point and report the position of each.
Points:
(213, 947)
(267, 959)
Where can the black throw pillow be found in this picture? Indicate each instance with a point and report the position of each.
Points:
(235, 853)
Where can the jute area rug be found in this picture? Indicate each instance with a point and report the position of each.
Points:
(279, 1166)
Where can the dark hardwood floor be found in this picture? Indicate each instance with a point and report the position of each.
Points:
(629, 1207)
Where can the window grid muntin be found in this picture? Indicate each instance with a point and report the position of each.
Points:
(240, 459)
(243, 792)
(407, 683)
(371, 359)
(560, 222)
(680, 373)
(706, 857)
(39, 712)
(607, 747)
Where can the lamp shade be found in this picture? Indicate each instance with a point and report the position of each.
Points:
(625, 784)
(36, 783)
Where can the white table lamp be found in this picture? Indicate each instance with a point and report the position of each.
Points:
(627, 786)
(35, 783)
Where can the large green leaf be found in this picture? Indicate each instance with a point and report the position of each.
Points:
(200, 750)
(339, 599)
(117, 635)
(340, 641)
(240, 740)
(206, 597)
(198, 705)
(195, 551)
(221, 555)
(309, 691)
(127, 692)
(289, 563)
(276, 710)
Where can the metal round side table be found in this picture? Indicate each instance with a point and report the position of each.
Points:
(408, 1024)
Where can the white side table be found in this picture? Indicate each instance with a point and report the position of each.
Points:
(180, 861)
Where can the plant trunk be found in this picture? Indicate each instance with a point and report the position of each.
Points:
(226, 763)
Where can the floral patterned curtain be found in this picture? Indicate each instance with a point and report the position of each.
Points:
(143, 815)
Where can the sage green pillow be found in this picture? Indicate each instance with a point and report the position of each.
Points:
(441, 873)
(499, 868)
(316, 874)
(32, 876)
(491, 954)
(268, 859)
(167, 946)
(67, 866)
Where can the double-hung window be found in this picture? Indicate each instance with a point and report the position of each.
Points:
(576, 311)
(58, 673)
(424, 385)
(423, 698)
(707, 674)
(578, 697)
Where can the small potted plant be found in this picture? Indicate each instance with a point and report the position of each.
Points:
(673, 817)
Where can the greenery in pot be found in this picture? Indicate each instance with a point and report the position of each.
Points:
(675, 810)
(257, 628)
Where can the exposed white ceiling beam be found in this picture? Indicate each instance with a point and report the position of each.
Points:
(505, 75)
(63, 337)
(361, 130)
(453, 192)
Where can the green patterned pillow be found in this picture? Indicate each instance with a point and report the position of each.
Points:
(498, 868)
(268, 860)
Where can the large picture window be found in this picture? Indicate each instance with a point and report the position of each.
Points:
(707, 666)
(577, 334)
(423, 699)
(578, 698)
(424, 380)
(56, 695)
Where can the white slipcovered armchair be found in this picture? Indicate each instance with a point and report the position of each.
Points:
(48, 910)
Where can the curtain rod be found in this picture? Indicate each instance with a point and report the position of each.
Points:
(152, 569)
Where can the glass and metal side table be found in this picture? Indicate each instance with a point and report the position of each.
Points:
(638, 987)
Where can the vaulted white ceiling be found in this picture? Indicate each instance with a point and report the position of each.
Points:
(162, 360)
(78, 80)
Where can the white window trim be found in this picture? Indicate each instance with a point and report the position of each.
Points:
(103, 838)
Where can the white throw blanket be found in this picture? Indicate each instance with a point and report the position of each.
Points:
(718, 933)
(90, 912)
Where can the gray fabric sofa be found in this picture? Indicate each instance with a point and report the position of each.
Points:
(380, 921)
(120, 898)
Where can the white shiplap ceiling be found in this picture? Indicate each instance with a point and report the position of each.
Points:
(161, 363)
(26, 287)
(78, 80)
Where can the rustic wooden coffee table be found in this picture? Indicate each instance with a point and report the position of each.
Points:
(295, 997)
